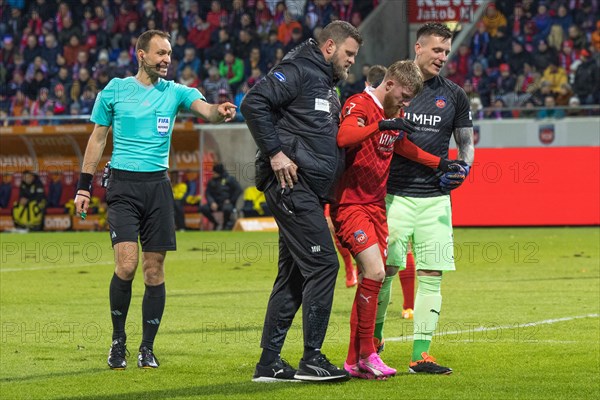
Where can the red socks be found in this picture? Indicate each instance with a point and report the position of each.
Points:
(407, 280)
(362, 320)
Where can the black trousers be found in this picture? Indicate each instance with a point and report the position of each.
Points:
(308, 267)
(208, 213)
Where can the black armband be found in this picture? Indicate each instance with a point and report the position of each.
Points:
(85, 182)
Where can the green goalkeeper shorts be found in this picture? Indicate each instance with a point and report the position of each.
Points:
(426, 222)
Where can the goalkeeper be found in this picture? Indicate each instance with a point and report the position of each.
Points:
(418, 199)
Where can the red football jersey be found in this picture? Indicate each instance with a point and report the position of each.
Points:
(368, 162)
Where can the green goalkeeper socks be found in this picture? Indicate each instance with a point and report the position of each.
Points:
(383, 301)
(428, 303)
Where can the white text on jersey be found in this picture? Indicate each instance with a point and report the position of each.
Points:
(423, 119)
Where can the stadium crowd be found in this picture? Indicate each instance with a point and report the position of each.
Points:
(535, 55)
(56, 56)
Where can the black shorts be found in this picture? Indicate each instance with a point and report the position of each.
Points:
(141, 204)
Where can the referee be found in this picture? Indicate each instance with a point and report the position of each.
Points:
(141, 110)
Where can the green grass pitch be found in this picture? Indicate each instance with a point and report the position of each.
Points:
(520, 320)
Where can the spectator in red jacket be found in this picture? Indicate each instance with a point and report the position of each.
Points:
(72, 50)
(214, 15)
(567, 55)
(463, 60)
(453, 75)
(199, 35)
(126, 15)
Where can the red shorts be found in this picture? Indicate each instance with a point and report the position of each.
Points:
(359, 226)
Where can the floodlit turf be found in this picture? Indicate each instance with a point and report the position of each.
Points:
(519, 320)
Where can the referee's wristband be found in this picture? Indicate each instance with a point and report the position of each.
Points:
(85, 182)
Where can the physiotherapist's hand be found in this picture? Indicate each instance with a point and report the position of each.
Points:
(226, 111)
(285, 170)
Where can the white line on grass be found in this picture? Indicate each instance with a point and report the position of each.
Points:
(58, 266)
(495, 328)
(46, 267)
(539, 341)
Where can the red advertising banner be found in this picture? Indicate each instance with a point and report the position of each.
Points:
(530, 186)
(421, 11)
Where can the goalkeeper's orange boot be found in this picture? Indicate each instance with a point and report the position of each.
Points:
(407, 313)
(427, 365)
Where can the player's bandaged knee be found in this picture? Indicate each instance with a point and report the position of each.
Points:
(428, 304)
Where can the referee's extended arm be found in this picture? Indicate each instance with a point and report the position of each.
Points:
(214, 113)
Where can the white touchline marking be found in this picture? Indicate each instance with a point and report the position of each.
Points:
(495, 328)
(46, 267)
(90, 264)
(536, 341)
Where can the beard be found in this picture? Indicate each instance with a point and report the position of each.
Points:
(151, 70)
(390, 107)
(339, 72)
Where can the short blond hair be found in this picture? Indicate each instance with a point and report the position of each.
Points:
(407, 74)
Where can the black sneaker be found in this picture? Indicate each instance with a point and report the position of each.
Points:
(278, 371)
(318, 368)
(147, 359)
(117, 354)
(427, 365)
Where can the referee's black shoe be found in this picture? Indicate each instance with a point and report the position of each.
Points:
(318, 368)
(117, 354)
(147, 359)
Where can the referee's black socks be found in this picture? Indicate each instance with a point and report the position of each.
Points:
(120, 298)
(153, 307)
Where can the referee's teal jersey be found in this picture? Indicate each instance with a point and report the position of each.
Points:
(142, 118)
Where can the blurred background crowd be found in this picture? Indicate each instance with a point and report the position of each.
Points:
(56, 56)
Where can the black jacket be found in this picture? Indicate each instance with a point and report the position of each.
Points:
(587, 79)
(221, 188)
(295, 109)
(33, 191)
